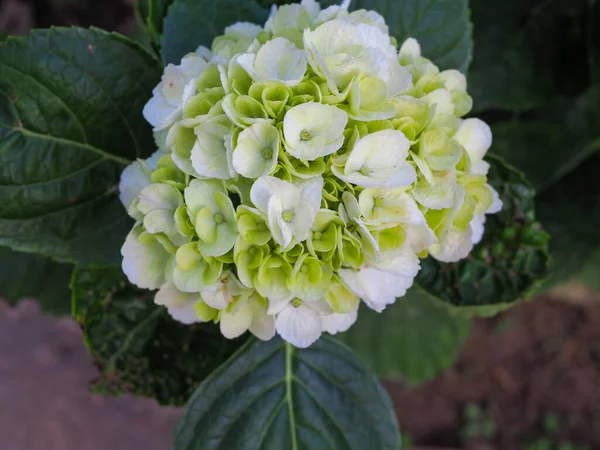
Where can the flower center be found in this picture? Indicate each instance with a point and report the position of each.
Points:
(267, 153)
(379, 201)
(218, 218)
(317, 235)
(296, 302)
(365, 171)
(288, 216)
(304, 269)
(305, 135)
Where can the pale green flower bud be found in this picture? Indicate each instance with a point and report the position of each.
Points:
(213, 215)
(439, 151)
(252, 225)
(272, 279)
(273, 95)
(245, 111)
(194, 271)
(310, 278)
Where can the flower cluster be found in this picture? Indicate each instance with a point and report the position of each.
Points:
(303, 166)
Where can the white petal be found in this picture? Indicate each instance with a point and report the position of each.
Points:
(380, 285)
(180, 305)
(312, 194)
(159, 113)
(266, 187)
(420, 237)
(277, 60)
(300, 326)
(236, 322)
(263, 325)
(338, 323)
(144, 264)
(278, 305)
(496, 206)
(475, 136)
(133, 180)
(217, 296)
(246, 29)
(209, 154)
(477, 228)
(442, 100)
(454, 246)
(410, 49)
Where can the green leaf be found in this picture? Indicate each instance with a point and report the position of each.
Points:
(521, 50)
(570, 211)
(137, 346)
(26, 275)
(551, 142)
(594, 39)
(589, 273)
(70, 118)
(509, 262)
(150, 14)
(270, 395)
(442, 27)
(415, 339)
(191, 23)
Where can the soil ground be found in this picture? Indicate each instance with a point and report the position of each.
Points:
(538, 358)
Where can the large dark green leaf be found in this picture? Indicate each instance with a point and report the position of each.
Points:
(594, 39)
(27, 275)
(549, 144)
(70, 119)
(270, 395)
(191, 23)
(415, 339)
(442, 27)
(511, 258)
(137, 346)
(522, 48)
(570, 211)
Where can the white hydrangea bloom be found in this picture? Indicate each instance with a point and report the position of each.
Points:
(304, 165)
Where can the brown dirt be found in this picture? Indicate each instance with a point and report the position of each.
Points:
(44, 401)
(538, 358)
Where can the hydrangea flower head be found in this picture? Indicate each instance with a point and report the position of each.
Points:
(305, 165)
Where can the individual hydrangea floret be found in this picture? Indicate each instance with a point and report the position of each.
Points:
(305, 166)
